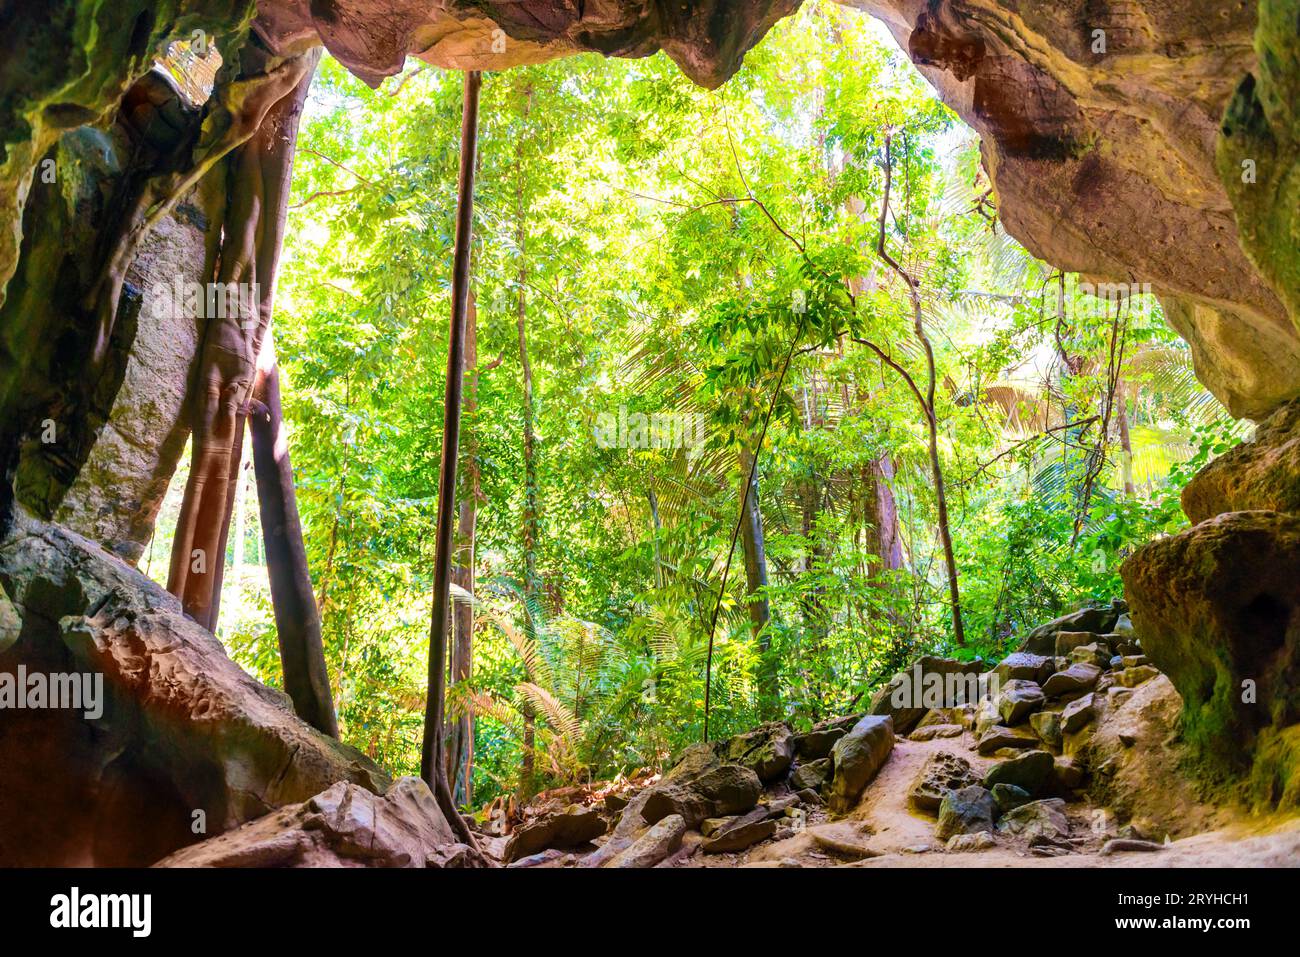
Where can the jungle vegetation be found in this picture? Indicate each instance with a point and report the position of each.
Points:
(797, 285)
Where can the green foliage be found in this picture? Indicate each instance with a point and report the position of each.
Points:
(677, 246)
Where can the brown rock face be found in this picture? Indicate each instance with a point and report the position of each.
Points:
(1263, 474)
(116, 495)
(1217, 611)
(344, 826)
(372, 38)
(1102, 148)
(569, 827)
(186, 744)
(1136, 761)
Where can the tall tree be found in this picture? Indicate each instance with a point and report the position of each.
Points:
(297, 619)
(531, 523)
(926, 399)
(432, 769)
(460, 742)
(760, 613)
(883, 537)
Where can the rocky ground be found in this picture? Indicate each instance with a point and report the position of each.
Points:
(1074, 751)
(1066, 754)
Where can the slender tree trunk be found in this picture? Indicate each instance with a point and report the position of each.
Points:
(881, 507)
(432, 769)
(527, 781)
(532, 511)
(297, 620)
(755, 552)
(323, 600)
(813, 600)
(460, 757)
(1125, 442)
(926, 400)
(945, 526)
(661, 578)
(241, 529)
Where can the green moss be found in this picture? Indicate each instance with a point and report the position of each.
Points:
(1259, 152)
(1275, 778)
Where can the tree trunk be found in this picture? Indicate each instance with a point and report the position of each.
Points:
(883, 538)
(941, 497)
(259, 174)
(297, 620)
(241, 532)
(1125, 442)
(813, 600)
(527, 783)
(660, 577)
(751, 533)
(927, 401)
(532, 516)
(432, 769)
(460, 756)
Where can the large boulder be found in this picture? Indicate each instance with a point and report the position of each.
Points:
(660, 840)
(1078, 678)
(1260, 475)
(187, 745)
(1022, 665)
(817, 741)
(941, 773)
(1217, 610)
(857, 757)
(998, 737)
(741, 833)
(768, 750)
(966, 811)
(1047, 725)
(811, 775)
(1009, 796)
(1139, 764)
(344, 826)
(1032, 771)
(1097, 653)
(700, 787)
(630, 825)
(1018, 699)
(569, 827)
(1076, 715)
(1091, 618)
(929, 682)
(1038, 822)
